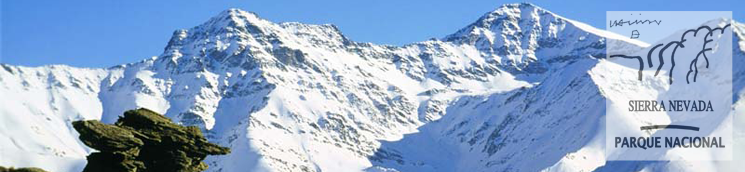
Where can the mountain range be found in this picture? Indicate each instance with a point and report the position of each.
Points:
(520, 89)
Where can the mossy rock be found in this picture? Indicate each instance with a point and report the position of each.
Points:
(25, 169)
(143, 140)
(106, 138)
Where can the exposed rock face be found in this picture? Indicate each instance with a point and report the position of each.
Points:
(25, 169)
(143, 140)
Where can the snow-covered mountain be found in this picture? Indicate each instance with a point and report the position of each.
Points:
(517, 90)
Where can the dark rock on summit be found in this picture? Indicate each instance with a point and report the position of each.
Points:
(143, 141)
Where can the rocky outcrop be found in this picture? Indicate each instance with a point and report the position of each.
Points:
(25, 169)
(142, 141)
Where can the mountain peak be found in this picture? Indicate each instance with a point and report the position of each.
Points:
(518, 5)
(514, 34)
(513, 10)
(234, 13)
(228, 25)
(234, 17)
(504, 15)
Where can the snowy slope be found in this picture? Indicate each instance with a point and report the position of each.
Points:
(556, 125)
(36, 111)
(299, 97)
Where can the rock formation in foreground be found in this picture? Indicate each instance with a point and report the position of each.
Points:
(25, 169)
(143, 140)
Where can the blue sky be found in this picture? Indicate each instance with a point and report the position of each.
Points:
(103, 33)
